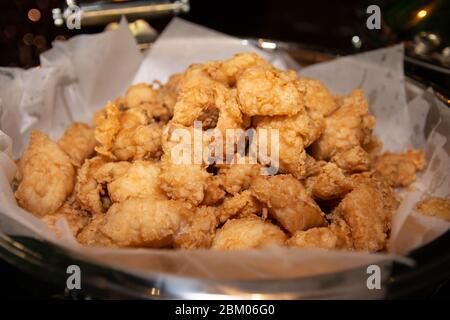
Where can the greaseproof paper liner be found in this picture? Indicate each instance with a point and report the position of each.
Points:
(80, 75)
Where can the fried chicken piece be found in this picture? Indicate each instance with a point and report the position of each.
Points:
(91, 235)
(238, 176)
(144, 222)
(364, 212)
(230, 116)
(355, 159)
(342, 232)
(329, 184)
(322, 238)
(91, 185)
(140, 93)
(141, 180)
(76, 218)
(269, 92)
(199, 232)
(214, 192)
(399, 169)
(156, 103)
(240, 205)
(435, 207)
(247, 233)
(78, 142)
(45, 174)
(140, 143)
(295, 133)
(390, 200)
(318, 100)
(128, 135)
(373, 148)
(107, 126)
(228, 71)
(168, 93)
(87, 189)
(312, 167)
(299, 126)
(288, 202)
(182, 177)
(347, 127)
(203, 99)
(183, 181)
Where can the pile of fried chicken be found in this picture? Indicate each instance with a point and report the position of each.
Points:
(116, 184)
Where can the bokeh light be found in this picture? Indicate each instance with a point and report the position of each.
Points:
(34, 15)
(422, 14)
(28, 39)
(39, 41)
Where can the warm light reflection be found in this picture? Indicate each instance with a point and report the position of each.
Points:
(34, 15)
(28, 39)
(421, 14)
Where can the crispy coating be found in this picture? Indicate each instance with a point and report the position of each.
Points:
(156, 103)
(390, 199)
(364, 212)
(228, 71)
(183, 181)
(351, 160)
(140, 143)
(318, 100)
(128, 135)
(238, 176)
(168, 93)
(343, 233)
(197, 93)
(87, 189)
(288, 202)
(141, 180)
(269, 92)
(330, 183)
(91, 234)
(91, 185)
(299, 126)
(214, 192)
(349, 126)
(107, 126)
(322, 238)
(140, 93)
(46, 176)
(76, 218)
(200, 98)
(399, 169)
(148, 175)
(435, 206)
(247, 233)
(240, 205)
(78, 142)
(199, 232)
(312, 166)
(373, 147)
(295, 133)
(144, 222)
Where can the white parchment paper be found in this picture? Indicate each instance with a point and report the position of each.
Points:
(80, 75)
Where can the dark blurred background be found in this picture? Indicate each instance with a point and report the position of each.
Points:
(334, 27)
(27, 27)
